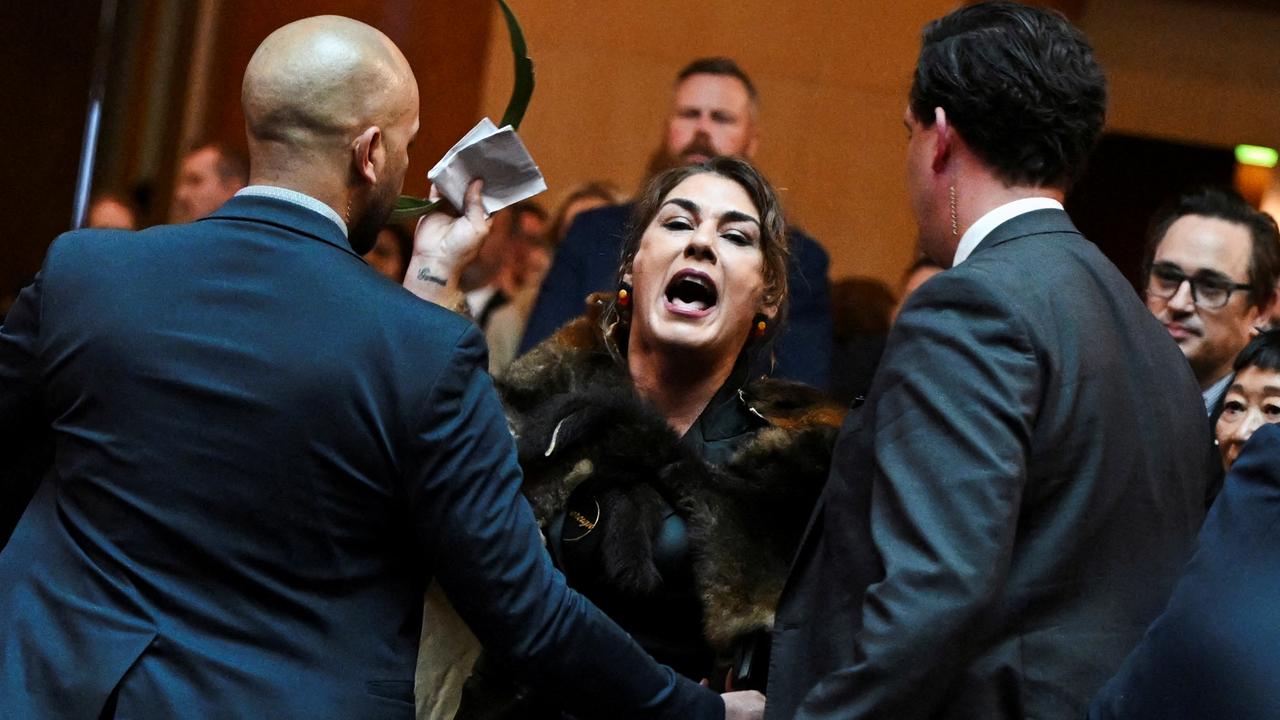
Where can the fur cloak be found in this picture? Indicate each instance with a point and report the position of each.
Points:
(576, 416)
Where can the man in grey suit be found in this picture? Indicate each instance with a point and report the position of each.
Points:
(1011, 505)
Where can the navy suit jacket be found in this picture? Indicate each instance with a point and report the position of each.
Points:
(1215, 650)
(263, 452)
(1011, 506)
(588, 262)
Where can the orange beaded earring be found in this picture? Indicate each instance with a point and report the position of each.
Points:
(624, 299)
(759, 327)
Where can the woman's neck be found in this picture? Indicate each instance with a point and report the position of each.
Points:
(680, 385)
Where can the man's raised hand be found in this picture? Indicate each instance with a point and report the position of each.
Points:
(443, 244)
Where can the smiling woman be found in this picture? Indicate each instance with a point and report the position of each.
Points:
(672, 488)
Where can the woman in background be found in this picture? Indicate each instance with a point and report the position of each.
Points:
(588, 196)
(1253, 397)
(506, 324)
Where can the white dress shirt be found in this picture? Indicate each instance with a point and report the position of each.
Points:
(997, 217)
(1215, 393)
(297, 198)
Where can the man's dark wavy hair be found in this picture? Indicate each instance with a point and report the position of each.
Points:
(1021, 86)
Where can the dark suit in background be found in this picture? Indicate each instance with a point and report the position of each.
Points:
(1012, 504)
(588, 261)
(263, 451)
(1215, 651)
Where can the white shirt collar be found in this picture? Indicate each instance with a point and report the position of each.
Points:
(1215, 393)
(994, 219)
(297, 198)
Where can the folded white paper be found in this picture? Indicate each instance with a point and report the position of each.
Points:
(494, 155)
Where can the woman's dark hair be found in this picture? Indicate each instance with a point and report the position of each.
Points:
(1228, 205)
(773, 227)
(1262, 352)
(1020, 85)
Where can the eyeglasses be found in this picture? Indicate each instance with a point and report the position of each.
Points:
(1208, 290)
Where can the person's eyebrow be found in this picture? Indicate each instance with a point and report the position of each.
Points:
(1211, 274)
(1199, 273)
(689, 205)
(1271, 390)
(729, 215)
(736, 216)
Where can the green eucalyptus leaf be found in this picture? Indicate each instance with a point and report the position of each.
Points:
(408, 207)
(522, 89)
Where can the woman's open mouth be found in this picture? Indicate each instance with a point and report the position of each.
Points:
(691, 293)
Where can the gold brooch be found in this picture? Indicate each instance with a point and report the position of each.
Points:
(582, 522)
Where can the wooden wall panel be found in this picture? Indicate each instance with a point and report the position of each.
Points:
(445, 42)
(833, 79)
(1197, 72)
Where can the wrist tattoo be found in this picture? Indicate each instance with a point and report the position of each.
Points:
(425, 274)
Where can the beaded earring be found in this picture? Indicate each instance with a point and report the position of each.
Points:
(759, 326)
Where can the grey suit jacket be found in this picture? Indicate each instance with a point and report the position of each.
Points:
(1011, 505)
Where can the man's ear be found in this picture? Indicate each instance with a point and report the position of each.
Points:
(1270, 310)
(1263, 314)
(753, 145)
(942, 140)
(769, 311)
(367, 154)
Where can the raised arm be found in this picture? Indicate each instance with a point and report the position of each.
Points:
(442, 247)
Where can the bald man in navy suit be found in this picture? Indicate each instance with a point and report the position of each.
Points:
(264, 450)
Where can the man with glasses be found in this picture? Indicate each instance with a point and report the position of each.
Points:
(1211, 266)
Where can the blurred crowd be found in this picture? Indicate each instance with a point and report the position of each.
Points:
(521, 286)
